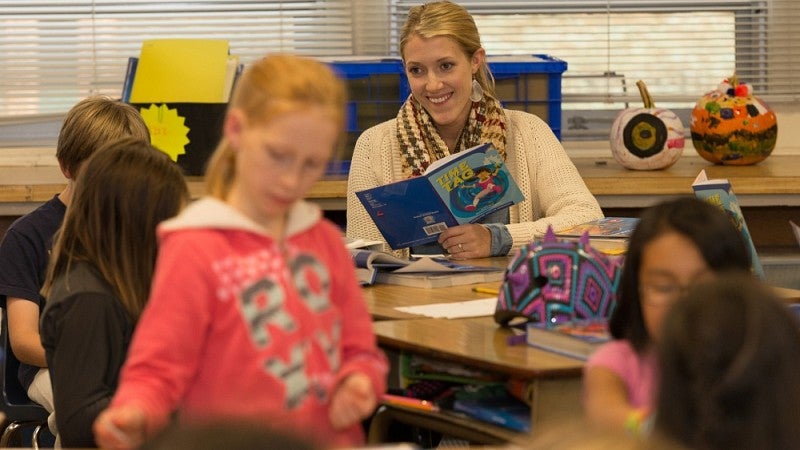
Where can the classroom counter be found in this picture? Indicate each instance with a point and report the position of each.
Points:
(769, 192)
(773, 182)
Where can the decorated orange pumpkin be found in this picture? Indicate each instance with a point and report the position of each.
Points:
(646, 138)
(732, 126)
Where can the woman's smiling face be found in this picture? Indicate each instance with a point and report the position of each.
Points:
(440, 76)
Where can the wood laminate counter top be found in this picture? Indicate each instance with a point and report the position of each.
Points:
(773, 182)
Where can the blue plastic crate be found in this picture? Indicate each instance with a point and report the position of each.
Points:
(530, 83)
(378, 87)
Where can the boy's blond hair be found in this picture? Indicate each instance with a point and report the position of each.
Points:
(92, 123)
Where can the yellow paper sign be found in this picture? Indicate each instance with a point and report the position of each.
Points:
(167, 130)
(181, 71)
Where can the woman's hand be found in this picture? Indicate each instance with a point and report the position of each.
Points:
(467, 241)
(120, 428)
(353, 401)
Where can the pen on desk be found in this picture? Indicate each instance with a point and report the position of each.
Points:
(485, 290)
(409, 402)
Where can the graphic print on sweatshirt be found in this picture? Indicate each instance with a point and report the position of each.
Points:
(275, 291)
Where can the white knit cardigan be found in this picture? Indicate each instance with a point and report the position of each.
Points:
(554, 191)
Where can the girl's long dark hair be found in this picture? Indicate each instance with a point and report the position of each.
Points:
(121, 194)
(706, 226)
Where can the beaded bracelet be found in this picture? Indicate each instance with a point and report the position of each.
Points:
(634, 421)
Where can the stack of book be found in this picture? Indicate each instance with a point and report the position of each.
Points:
(608, 234)
(576, 339)
(428, 272)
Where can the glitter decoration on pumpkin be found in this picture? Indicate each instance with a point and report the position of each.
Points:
(732, 126)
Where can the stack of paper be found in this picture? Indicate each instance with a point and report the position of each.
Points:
(184, 71)
(453, 310)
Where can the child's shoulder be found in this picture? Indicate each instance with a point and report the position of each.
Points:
(616, 351)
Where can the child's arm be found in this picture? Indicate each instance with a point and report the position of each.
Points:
(605, 400)
(120, 428)
(23, 332)
(352, 401)
(363, 364)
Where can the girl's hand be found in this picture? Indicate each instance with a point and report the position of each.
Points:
(352, 401)
(120, 428)
(467, 241)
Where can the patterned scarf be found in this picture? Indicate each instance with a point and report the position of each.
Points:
(420, 143)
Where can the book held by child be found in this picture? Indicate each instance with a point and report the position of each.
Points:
(719, 193)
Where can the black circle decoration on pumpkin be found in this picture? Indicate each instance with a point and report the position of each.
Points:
(645, 135)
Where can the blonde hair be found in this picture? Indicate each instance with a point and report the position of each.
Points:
(271, 87)
(92, 123)
(448, 19)
(124, 190)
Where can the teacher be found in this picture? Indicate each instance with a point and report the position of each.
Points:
(453, 107)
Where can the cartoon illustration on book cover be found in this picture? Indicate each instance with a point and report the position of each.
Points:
(483, 188)
(607, 226)
(461, 188)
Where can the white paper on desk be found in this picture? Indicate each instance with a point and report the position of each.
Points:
(453, 310)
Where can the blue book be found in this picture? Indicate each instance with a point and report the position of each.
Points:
(504, 410)
(130, 75)
(459, 189)
(719, 193)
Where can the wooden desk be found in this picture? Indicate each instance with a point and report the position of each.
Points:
(482, 344)
(788, 295)
(382, 299)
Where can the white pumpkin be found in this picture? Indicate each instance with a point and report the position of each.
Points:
(647, 138)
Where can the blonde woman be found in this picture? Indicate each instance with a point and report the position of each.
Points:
(453, 107)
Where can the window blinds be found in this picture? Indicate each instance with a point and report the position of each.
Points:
(681, 49)
(54, 52)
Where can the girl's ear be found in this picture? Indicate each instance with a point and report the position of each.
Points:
(233, 127)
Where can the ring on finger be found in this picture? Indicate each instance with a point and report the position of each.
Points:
(461, 247)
